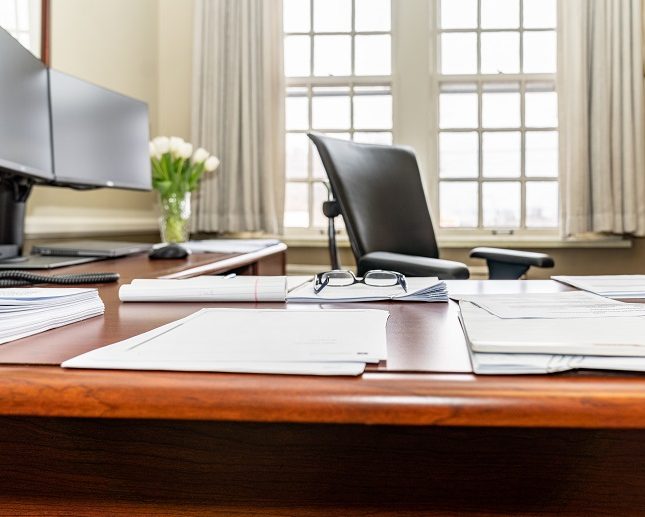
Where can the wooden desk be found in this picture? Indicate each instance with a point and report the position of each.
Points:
(391, 442)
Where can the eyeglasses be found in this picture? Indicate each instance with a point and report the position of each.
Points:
(373, 278)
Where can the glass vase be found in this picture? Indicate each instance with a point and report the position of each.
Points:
(175, 218)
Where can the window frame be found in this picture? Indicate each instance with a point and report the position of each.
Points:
(436, 79)
(415, 106)
(351, 81)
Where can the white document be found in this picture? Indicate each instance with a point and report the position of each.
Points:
(419, 289)
(570, 304)
(206, 289)
(601, 336)
(508, 364)
(229, 245)
(611, 286)
(28, 311)
(313, 342)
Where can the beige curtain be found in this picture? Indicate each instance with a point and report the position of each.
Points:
(602, 125)
(238, 114)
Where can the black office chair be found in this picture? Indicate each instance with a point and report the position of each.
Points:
(378, 190)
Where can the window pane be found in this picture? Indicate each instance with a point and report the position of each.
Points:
(332, 55)
(25, 39)
(297, 145)
(500, 14)
(23, 15)
(373, 137)
(541, 109)
(318, 169)
(296, 213)
(459, 53)
(540, 52)
(332, 15)
(373, 111)
(320, 196)
(500, 52)
(373, 15)
(297, 56)
(458, 205)
(502, 154)
(296, 15)
(539, 14)
(542, 153)
(501, 204)
(458, 110)
(331, 112)
(501, 105)
(297, 113)
(458, 14)
(541, 204)
(372, 55)
(458, 155)
(8, 14)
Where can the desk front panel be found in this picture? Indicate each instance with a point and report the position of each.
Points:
(134, 467)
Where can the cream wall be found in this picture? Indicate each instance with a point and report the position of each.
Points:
(140, 48)
(175, 40)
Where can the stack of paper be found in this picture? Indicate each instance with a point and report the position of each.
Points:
(611, 286)
(206, 289)
(328, 342)
(28, 311)
(419, 289)
(543, 333)
(230, 245)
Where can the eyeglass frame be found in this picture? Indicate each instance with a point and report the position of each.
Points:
(319, 286)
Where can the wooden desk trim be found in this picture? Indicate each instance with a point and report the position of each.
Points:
(228, 263)
(374, 398)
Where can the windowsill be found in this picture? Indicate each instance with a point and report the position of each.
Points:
(521, 242)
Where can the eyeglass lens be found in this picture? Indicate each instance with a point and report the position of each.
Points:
(338, 278)
(380, 278)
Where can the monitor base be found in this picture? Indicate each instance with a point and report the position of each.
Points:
(44, 262)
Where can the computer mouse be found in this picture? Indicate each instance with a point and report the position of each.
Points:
(169, 251)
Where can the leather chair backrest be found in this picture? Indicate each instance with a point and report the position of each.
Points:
(381, 196)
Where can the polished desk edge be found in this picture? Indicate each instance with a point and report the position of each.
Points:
(229, 263)
(375, 398)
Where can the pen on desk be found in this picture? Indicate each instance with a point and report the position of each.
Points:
(230, 275)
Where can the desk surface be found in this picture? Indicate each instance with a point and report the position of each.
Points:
(405, 391)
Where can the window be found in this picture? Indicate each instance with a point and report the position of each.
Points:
(338, 67)
(479, 105)
(21, 18)
(497, 138)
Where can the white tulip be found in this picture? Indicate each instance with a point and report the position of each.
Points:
(211, 163)
(153, 151)
(186, 150)
(162, 144)
(200, 155)
(176, 145)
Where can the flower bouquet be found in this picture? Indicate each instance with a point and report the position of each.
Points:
(176, 171)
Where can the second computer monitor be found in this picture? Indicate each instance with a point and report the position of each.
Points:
(100, 138)
(24, 112)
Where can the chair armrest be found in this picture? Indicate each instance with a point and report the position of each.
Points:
(412, 265)
(526, 258)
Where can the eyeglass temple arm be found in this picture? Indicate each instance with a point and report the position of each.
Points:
(331, 209)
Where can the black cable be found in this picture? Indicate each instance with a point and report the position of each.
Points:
(21, 278)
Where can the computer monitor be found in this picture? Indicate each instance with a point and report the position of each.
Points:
(25, 137)
(100, 138)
